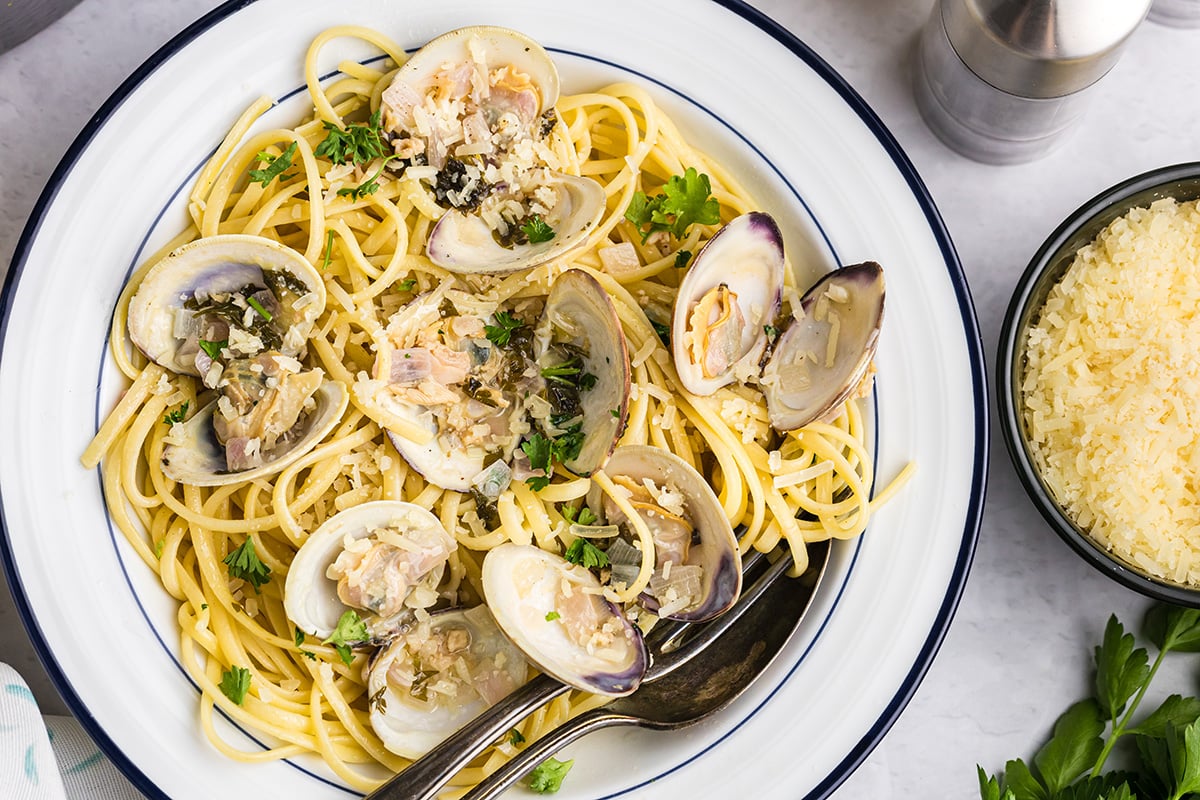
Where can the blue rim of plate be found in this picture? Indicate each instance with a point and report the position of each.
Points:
(876, 126)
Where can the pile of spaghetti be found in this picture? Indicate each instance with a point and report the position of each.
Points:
(307, 697)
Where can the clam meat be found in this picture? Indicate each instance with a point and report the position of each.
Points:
(556, 613)
(382, 560)
(437, 675)
(471, 114)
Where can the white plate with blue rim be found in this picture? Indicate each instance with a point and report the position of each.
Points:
(742, 88)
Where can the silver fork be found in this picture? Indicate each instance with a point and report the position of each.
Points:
(669, 649)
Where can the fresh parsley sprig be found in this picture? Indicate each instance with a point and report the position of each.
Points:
(177, 415)
(500, 333)
(1166, 756)
(536, 230)
(586, 554)
(684, 200)
(349, 629)
(275, 165)
(243, 563)
(547, 777)
(235, 682)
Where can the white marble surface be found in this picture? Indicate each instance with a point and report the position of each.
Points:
(1019, 648)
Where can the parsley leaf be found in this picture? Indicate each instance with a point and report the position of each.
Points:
(243, 563)
(552, 615)
(406, 285)
(177, 415)
(586, 554)
(500, 333)
(235, 682)
(257, 306)
(682, 258)
(328, 249)
(537, 447)
(663, 331)
(536, 230)
(356, 143)
(547, 777)
(1074, 747)
(349, 629)
(369, 186)
(1120, 669)
(298, 636)
(582, 515)
(515, 737)
(685, 199)
(275, 165)
(213, 349)
(538, 482)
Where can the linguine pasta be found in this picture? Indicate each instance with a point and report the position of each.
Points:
(809, 485)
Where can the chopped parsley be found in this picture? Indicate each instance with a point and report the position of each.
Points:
(684, 200)
(586, 554)
(298, 636)
(500, 333)
(275, 165)
(177, 415)
(581, 516)
(158, 548)
(407, 285)
(682, 258)
(536, 230)
(571, 373)
(356, 143)
(213, 349)
(349, 629)
(328, 249)
(257, 306)
(369, 186)
(663, 331)
(553, 615)
(243, 563)
(547, 777)
(771, 331)
(515, 737)
(235, 682)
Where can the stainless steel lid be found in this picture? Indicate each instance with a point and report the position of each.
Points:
(1040, 48)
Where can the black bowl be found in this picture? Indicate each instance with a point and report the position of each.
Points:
(1048, 266)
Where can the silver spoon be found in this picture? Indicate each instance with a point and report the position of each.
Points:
(694, 689)
(424, 778)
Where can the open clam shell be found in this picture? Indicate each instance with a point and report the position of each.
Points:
(192, 454)
(579, 313)
(713, 546)
(821, 360)
(578, 637)
(437, 676)
(465, 242)
(214, 265)
(311, 597)
(733, 289)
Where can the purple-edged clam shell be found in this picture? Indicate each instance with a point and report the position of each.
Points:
(523, 586)
(812, 370)
(746, 256)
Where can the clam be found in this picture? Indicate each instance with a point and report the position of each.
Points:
(382, 560)
(732, 291)
(468, 113)
(437, 676)
(194, 454)
(207, 291)
(556, 613)
(580, 327)
(698, 572)
(823, 359)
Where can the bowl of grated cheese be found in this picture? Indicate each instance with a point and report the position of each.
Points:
(1098, 382)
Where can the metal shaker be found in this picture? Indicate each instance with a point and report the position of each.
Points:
(1003, 81)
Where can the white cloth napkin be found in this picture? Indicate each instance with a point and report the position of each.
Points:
(50, 758)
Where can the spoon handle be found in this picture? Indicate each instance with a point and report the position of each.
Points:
(426, 776)
(541, 749)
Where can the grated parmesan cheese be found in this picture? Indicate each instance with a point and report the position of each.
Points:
(1109, 390)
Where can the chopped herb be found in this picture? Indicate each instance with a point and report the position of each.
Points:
(378, 702)
(311, 656)
(500, 333)
(561, 372)
(553, 615)
(275, 165)
(213, 349)
(567, 447)
(204, 606)
(349, 629)
(356, 143)
(235, 682)
(515, 737)
(369, 186)
(547, 777)
(536, 230)
(328, 249)
(538, 448)
(177, 415)
(616, 412)
(587, 381)
(158, 548)
(582, 516)
(451, 184)
(298, 636)
(586, 554)
(538, 482)
(407, 285)
(257, 306)
(682, 258)
(771, 331)
(243, 563)
(663, 331)
(684, 200)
